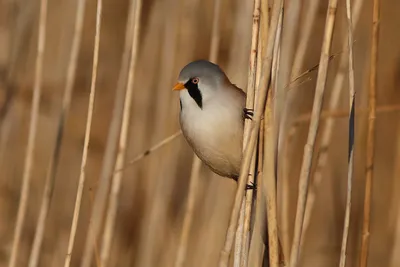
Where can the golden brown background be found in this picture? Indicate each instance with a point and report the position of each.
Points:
(154, 190)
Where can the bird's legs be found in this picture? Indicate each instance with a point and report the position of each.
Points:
(248, 113)
(251, 186)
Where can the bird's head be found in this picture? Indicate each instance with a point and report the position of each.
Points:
(200, 80)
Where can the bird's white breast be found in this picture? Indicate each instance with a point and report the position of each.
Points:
(215, 132)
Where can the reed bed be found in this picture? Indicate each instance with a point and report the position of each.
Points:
(94, 170)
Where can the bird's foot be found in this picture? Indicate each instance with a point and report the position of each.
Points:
(248, 113)
(251, 186)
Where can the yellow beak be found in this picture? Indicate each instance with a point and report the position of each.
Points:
(178, 86)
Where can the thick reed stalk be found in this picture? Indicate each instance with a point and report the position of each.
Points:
(351, 136)
(270, 184)
(255, 125)
(313, 129)
(111, 147)
(123, 140)
(270, 144)
(81, 183)
(196, 165)
(30, 149)
(371, 134)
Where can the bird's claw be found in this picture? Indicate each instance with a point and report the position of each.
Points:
(248, 113)
(251, 186)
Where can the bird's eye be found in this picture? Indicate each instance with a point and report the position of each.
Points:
(195, 80)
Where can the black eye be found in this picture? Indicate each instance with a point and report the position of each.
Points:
(195, 80)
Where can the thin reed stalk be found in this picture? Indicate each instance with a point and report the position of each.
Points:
(250, 96)
(239, 245)
(255, 125)
(298, 62)
(66, 103)
(327, 129)
(30, 149)
(123, 139)
(178, 22)
(149, 151)
(325, 115)
(351, 136)
(395, 205)
(307, 28)
(312, 134)
(248, 203)
(254, 248)
(289, 38)
(187, 221)
(82, 177)
(251, 77)
(95, 243)
(112, 139)
(370, 134)
(196, 165)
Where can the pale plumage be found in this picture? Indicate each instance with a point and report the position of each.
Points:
(212, 116)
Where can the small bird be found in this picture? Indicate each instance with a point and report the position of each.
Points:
(212, 116)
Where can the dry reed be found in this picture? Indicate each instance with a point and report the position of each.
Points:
(312, 134)
(270, 185)
(149, 151)
(271, 121)
(54, 162)
(82, 176)
(395, 202)
(259, 106)
(255, 245)
(148, 216)
(327, 129)
(116, 182)
(113, 135)
(245, 209)
(370, 134)
(30, 149)
(196, 164)
(298, 62)
(352, 92)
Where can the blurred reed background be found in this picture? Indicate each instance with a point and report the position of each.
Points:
(154, 190)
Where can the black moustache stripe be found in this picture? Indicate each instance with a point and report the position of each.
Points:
(195, 93)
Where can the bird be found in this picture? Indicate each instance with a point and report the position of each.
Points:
(212, 115)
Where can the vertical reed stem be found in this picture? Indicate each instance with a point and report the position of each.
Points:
(30, 149)
(371, 134)
(313, 129)
(255, 125)
(81, 183)
(351, 136)
(196, 165)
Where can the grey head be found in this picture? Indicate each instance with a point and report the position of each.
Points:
(201, 69)
(201, 79)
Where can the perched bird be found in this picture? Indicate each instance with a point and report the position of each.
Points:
(212, 116)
